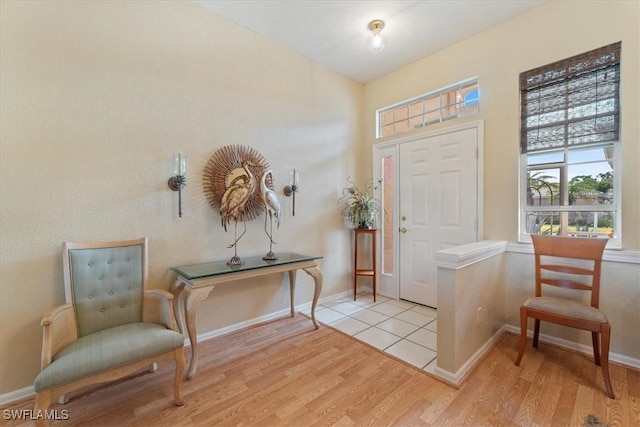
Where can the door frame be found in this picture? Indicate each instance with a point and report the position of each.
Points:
(381, 150)
(388, 284)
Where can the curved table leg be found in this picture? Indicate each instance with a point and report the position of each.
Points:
(317, 279)
(177, 289)
(292, 289)
(194, 296)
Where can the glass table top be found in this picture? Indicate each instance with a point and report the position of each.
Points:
(216, 268)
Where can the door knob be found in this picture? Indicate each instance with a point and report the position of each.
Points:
(403, 230)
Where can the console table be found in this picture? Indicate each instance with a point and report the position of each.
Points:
(194, 282)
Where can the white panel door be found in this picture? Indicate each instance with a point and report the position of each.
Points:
(438, 207)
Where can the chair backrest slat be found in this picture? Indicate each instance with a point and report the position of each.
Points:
(105, 282)
(565, 283)
(566, 269)
(569, 247)
(561, 251)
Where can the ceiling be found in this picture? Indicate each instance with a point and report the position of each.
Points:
(334, 33)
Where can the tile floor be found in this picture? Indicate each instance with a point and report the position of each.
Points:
(400, 328)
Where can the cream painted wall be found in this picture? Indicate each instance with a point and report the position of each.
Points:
(97, 96)
(550, 32)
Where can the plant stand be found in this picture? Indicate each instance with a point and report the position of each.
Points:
(371, 272)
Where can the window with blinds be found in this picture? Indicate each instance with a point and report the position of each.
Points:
(571, 102)
(569, 140)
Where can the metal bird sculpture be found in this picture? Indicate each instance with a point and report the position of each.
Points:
(233, 203)
(272, 210)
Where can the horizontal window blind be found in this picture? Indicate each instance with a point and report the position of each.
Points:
(571, 102)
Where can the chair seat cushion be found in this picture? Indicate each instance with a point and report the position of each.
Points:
(105, 350)
(567, 308)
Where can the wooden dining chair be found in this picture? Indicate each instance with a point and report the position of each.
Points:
(556, 265)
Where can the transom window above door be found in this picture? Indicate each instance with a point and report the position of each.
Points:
(458, 100)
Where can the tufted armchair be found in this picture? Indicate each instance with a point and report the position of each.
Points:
(111, 326)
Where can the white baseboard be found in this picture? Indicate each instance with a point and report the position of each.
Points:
(580, 348)
(261, 319)
(16, 395)
(456, 379)
(237, 326)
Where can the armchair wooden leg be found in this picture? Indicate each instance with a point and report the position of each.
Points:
(43, 401)
(177, 382)
(606, 340)
(596, 347)
(523, 334)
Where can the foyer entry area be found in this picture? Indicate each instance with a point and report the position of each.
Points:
(432, 200)
(401, 329)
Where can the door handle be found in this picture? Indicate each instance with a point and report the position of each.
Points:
(403, 230)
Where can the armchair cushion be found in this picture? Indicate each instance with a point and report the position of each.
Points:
(107, 349)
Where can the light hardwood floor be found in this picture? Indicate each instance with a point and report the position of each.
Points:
(286, 373)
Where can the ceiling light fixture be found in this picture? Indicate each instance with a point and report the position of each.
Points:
(376, 40)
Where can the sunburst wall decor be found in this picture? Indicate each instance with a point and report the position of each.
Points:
(224, 170)
(231, 180)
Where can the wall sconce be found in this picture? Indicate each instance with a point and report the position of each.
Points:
(291, 190)
(376, 40)
(178, 181)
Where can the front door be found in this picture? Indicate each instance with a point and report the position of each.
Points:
(438, 206)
